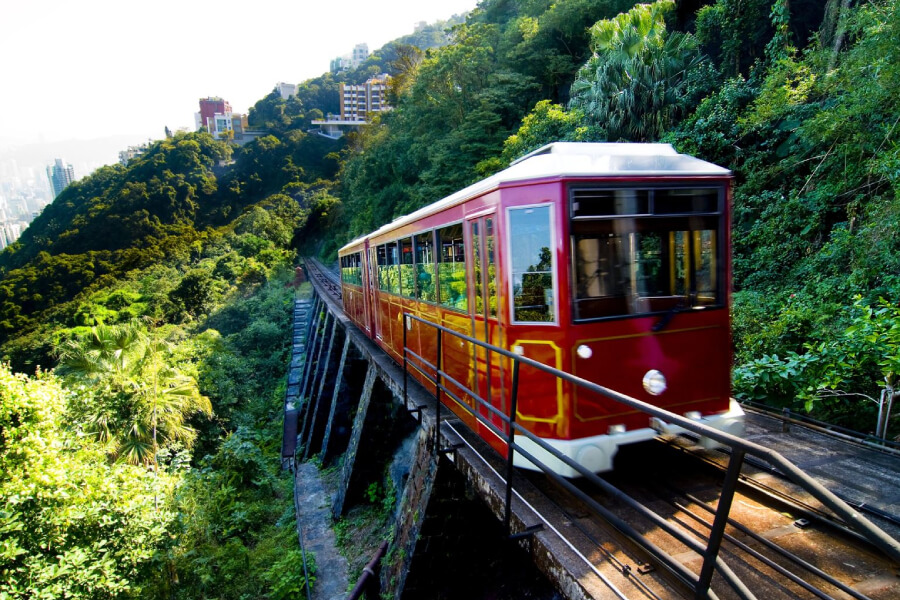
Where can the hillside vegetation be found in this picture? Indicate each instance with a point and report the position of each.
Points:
(144, 314)
(146, 464)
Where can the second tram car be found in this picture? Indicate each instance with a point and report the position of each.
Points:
(606, 260)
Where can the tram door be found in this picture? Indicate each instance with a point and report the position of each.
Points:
(488, 365)
(371, 300)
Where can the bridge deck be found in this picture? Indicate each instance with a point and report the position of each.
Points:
(857, 474)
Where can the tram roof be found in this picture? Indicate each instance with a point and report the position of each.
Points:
(573, 160)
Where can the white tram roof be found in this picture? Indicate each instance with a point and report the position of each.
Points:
(572, 160)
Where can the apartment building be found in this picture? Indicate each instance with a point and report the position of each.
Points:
(363, 102)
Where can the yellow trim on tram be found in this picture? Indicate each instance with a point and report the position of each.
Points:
(557, 351)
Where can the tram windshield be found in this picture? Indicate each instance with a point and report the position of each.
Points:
(641, 251)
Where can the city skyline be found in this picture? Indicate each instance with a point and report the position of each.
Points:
(83, 81)
(135, 69)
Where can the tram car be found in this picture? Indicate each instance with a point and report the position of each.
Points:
(609, 261)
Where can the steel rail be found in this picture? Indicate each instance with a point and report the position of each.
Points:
(797, 504)
(546, 521)
(793, 577)
(871, 442)
(771, 546)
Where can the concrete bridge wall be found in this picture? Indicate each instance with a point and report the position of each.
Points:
(345, 406)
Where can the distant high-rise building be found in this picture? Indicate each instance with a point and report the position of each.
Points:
(216, 116)
(338, 64)
(360, 54)
(132, 152)
(60, 175)
(351, 61)
(286, 89)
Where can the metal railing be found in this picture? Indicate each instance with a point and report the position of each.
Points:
(788, 416)
(435, 374)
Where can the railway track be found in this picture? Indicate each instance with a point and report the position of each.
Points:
(328, 280)
(778, 542)
(775, 545)
(781, 543)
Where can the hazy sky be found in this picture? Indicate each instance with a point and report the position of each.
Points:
(93, 68)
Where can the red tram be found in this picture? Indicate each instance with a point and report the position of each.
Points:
(608, 261)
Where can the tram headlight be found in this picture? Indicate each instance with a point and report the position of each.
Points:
(654, 382)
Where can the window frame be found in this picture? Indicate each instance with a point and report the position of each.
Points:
(438, 254)
(411, 264)
(417, 297)
(388, 257)
(721, 251)
(554, 266)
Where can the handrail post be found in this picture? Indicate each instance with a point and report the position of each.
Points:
(507, 519)
(437, 390)
(406, 324)
(729, 485)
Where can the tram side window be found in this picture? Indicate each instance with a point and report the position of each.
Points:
(388, 268)
(407, 270)
(356, 268)
(424, 264)
(452, 268)
(350, 271)
(531, 257)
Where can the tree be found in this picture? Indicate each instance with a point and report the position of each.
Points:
(72, 525)
(137, 400)
(404, 67)
(546, 123)
(636, 84)
(195, 293)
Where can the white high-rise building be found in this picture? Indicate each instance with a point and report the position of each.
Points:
(286, 89)
(360, 54)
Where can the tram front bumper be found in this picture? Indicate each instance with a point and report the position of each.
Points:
(596, 453)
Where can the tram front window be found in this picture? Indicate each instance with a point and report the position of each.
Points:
(644, 264)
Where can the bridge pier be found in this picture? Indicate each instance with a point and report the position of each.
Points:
(320, 402)
(348, 386)
(380, 428)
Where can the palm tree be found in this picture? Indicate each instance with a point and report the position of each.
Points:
(634, 85)
(137, 401)
(170, 396)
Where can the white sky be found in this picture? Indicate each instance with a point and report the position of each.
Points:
(85, 69)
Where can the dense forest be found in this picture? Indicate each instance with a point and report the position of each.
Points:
(144, 315)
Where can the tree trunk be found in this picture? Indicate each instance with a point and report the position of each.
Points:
(840, 26)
